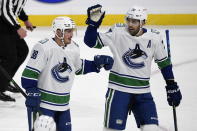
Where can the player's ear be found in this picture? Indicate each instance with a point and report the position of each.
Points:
(142, 23)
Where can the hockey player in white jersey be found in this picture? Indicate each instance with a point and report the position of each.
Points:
(49, 75)
(133, 48)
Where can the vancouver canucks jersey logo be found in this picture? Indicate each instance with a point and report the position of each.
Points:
(134, 58)
(61, 70)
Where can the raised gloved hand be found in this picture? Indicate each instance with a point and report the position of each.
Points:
(173, 93)
(95, 16)
(103, 61)
(33, 99)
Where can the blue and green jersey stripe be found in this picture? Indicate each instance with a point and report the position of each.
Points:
(99, 44)
(30, 77)
(52, 98)
(31, 73)
(163, 62)
(128, 81)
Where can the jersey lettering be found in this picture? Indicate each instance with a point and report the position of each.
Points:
(149, 44)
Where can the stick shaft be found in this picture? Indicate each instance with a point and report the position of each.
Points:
(175, 118)
(5, 73)
(169, 56)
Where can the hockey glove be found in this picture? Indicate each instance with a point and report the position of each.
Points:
(33, 99)
(173, 93)
(95, 16)
(103, 61)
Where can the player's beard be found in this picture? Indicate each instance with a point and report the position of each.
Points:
(133, 31)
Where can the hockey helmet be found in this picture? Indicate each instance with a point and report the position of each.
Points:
(63, 23)
(44, 123)
(137, 12)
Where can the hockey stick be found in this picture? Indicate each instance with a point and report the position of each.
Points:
(169, 55)
(13, 82)
(29, 117)
(175, 118)
(168, 43)
(29, 111)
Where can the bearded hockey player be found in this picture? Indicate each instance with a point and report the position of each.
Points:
(50, 72)
(133, 48)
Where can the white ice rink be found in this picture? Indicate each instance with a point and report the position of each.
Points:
(88, 92)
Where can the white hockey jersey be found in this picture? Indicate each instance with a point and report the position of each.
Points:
(131, 74)
(53, 68)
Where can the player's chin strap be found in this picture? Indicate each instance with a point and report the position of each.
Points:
(61, 38)
(138, 34)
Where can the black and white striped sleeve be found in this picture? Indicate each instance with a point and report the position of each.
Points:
(23, 16)
(7, 12)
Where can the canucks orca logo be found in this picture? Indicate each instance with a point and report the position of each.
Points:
(53, 1)
(132, 54)
(60, 71)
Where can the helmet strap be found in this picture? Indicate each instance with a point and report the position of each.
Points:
(61, 38)
(138, 34)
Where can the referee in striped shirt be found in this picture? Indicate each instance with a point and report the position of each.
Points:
(13, 48)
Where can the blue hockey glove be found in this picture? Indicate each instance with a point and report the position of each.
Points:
(103, 61)
(33, 99)
(95, 16)
(173, 93)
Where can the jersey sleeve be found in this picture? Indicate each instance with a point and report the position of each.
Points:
(78, 63)
(161, 57)
(38, 58)
(7, 13)
(80, 69)
(23, 16)
(79, 66)
(34, 67)
(104, 39)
